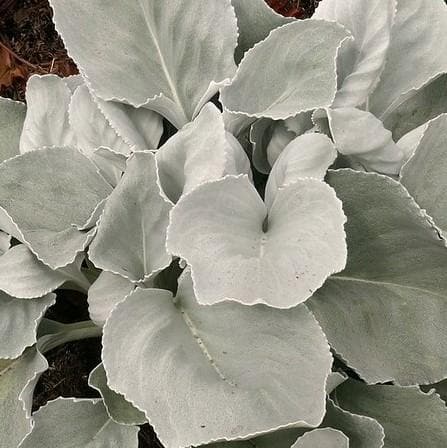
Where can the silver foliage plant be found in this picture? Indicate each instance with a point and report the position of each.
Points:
(222, 304)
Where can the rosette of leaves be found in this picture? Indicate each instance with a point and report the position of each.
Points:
(300, 309)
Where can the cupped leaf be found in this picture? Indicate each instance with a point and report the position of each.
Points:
(71, 422)
(360, 62)
(199, 152)
(410, 141)
(418, 39)
(140, 128)
(322, 438)
(426, 104)
(309, 155)
(424, 175)
(18, 378)
(187, 358)
(46, 122)
(361, 136)
(108, 290)
(385, 313)
(410, 418)
(269, 138)
(362, 431)
(238, 249)
(90, 126)
(255, 20)
(19, 320)
(22, 275)
(12, 116)
(130, 240)
(298, 78)
(47, 193)
(140, 61)
(119, 410)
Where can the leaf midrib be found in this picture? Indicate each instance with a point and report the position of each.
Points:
(382, 283)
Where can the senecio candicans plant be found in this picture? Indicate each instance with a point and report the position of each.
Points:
(297, 216)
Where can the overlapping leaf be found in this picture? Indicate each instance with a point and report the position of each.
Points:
(323, 438)
(410, 418)
(141, 61)
(298, 78)
(69, 422)
(424, 175)
(362, 59)
(191, 361)
(385, 313)
(240, 249)
(49, 194)
(131, 235)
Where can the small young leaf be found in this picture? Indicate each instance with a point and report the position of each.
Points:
(322, 438)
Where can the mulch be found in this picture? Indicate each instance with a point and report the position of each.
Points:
(29, 44)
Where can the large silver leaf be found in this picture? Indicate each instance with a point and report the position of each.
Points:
(169, 59)
(46, 122)
(361, 60)
(238, 248)
(298, 77)
(385, 313)
(417, 53)
(71, 422)
(119, 410)
(186, 363)
(199, 152)
(255, 20)
(361, 136)
(22, 275)
(130, 239)
(19, 320)
(47, 193)
(12, 116)
(410, 418)
(424, 175)
(322, 438)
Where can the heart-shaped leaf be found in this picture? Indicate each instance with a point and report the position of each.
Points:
(130, 239)
(238, 249)
(396, 267)
(159, 71)
(298, 78)
(186, 357)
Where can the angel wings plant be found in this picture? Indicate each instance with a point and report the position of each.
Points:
(272, 274)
